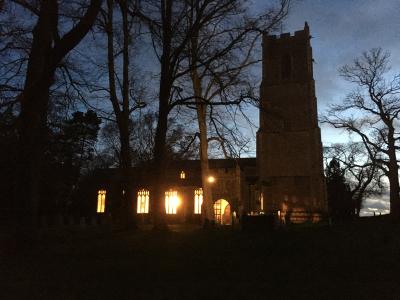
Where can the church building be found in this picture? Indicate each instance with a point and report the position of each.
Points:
(286, 178)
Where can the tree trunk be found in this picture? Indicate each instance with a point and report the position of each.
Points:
(160, 163)
(126, 162)
(32, 134)
(45, 55)
(208, 202)
(207, 207)
(394, 191)
(358, 204)
(160, 157)
(393, 177)
(207, 213)
(127, 212)
(124, 136)
(32, 122)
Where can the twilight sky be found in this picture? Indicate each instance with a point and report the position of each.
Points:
(342, 30)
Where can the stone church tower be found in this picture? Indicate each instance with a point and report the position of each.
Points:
(289, 148)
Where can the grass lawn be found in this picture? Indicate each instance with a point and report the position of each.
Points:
(358, 260)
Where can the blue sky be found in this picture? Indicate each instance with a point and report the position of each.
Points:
(342, 30)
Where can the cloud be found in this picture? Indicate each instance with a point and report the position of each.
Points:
(376, 205)
(342, 30)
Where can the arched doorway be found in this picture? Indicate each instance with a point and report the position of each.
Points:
(222, 212)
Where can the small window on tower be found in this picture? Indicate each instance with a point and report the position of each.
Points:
(286, 67)
(101, 201)
(183, 175)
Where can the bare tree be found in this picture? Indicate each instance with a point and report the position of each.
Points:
(123, 102)
(173, 25)
(15, 40)
(229, 38)
(112, 88)
(371, 112)
(170, 34)
(50, 45)
(181, 141)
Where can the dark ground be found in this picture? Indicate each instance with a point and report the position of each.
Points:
(359, 260)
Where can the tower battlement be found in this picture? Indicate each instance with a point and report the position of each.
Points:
(299, 34)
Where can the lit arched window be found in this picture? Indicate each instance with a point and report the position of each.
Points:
(171, 202)
(198, 201)
(222, 211)
(143, 201)
(286, 67)
(183, 175)
(101, 201)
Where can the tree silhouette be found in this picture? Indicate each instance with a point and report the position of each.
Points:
(49, 46)
(339, 196)
(377, 99)
(173, 25)
(362, 174)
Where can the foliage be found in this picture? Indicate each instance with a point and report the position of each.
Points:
(74, 144)
(70, 155)
(340, 204)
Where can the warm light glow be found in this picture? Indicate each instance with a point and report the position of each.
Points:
(172, 202)
(211, 179)
(143, 201)
(101, 201)
(219, 211)
(198, 201)
(262, 201)
(183, 175)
